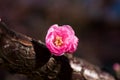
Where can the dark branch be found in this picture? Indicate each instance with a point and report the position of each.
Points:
(23, 55)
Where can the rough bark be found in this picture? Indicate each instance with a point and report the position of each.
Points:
(20, 54)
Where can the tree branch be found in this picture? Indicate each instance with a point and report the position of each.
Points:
(23, 55)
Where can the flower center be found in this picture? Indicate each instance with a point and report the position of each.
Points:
(58, 41)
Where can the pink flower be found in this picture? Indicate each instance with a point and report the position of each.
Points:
(116, 67)
(61, 39)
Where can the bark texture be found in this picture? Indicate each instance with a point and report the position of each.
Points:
(20, 54)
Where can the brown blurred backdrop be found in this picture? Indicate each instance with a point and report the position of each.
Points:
(96, 23)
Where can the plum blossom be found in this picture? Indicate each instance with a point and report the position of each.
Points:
(61, 40)
(116, 68)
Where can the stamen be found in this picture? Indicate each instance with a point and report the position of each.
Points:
(58, 41)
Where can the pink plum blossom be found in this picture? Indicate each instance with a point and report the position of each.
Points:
(61, 39)
(116, 67)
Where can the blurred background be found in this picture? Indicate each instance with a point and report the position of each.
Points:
(96, 23)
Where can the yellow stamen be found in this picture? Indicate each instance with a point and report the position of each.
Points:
(58, 41)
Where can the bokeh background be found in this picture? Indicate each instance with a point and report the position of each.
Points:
(96, 23)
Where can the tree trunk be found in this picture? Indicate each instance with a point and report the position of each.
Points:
(20, 54)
